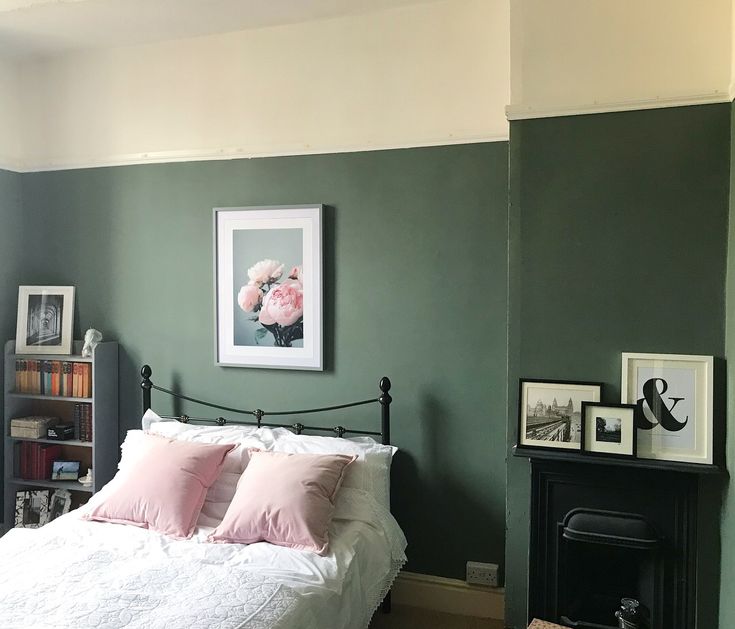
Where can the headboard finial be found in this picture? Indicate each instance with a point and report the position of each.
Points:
(385, 399)
(146, 385)
(385, 384)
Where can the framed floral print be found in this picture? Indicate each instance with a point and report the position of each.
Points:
(268, 287)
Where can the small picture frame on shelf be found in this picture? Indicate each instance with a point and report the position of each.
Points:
(673, 395)
(31, 508)
(65, 470)
(550, 413)
(45, 320)
(59, 504)
(609, 429)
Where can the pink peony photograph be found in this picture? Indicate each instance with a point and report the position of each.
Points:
(269, 305)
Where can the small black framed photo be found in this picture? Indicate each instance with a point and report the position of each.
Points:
(550, 412)
(609, 429)
(65, 470)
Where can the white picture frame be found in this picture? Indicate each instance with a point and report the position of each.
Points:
(59, 504)
(32, 508)
(674, 398)
(268, 287)
(45, 321)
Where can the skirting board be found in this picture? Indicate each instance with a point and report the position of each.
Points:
(450, 596)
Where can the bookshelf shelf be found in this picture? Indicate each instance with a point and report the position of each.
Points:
(55, 398)
(67, 442)
(102, 453)
(51, 484)
(74, 358)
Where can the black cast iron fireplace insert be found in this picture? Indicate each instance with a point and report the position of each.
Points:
(605, 556)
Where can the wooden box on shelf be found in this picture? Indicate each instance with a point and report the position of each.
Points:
(55, 386)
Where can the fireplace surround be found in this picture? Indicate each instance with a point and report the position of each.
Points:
(605, 530)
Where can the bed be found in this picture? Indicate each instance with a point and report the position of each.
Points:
(86, 574)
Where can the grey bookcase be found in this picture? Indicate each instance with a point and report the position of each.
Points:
(102, 453)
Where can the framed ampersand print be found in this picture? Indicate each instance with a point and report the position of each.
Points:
(672, 394)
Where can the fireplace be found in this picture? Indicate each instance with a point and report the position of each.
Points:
(600, 533)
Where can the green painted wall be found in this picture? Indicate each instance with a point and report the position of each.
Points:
(618, 242)
(416, 266)
(727, 591)
(12, 234)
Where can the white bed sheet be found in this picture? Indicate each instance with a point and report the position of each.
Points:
(90, 575)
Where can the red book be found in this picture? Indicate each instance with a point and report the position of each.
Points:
(55, 377)
(87, 380)
(33, 465)
(37, 462)
(24, 459)
(49, 454)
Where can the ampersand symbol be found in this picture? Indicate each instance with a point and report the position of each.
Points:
(656, 408)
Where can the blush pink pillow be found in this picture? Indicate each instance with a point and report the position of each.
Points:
(165, 489)
(284, 499)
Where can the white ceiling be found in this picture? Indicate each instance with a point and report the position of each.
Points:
(49, 27)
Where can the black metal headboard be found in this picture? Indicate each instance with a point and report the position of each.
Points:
(384, 399)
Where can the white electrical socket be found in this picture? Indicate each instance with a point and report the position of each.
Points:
(479, 573)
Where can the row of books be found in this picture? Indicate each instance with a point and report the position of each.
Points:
(53, 377)
(83, 421)
(34, 461)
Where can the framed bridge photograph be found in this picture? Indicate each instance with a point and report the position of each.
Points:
(550, 412)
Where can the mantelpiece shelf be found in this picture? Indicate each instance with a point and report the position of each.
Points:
(575, 457)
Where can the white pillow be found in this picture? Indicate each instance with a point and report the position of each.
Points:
(370, 472)
(220, 494)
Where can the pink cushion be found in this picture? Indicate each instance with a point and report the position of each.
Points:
(165, 489)
(284, 499)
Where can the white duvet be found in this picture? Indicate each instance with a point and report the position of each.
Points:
(91, 575)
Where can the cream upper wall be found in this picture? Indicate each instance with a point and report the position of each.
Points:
(432, 73)
(10, 148)
(426, 74)
(576, 56)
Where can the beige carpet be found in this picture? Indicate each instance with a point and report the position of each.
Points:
(412, 618)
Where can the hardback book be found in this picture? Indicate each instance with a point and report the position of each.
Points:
(66, 381)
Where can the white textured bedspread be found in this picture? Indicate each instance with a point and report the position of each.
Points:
(83, 575)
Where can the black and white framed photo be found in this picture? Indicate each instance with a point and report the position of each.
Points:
(673, 398)
(59, 504)
(268, 285)
(551, 412)
(45, 320)
(608, 429)
(65, 470)
(31, 508)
